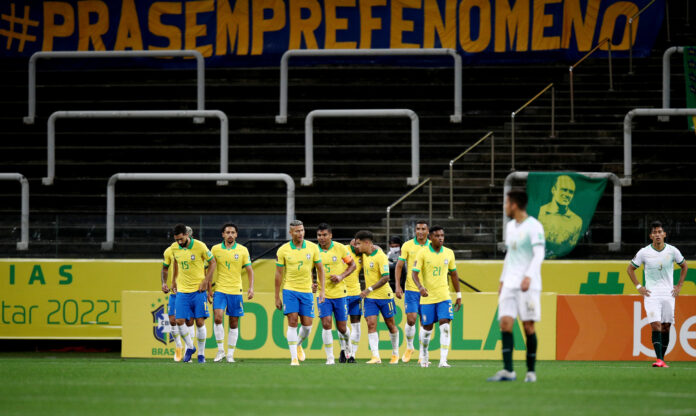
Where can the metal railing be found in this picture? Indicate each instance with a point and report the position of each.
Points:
(406, 195)
(453, 161)
(615, 245)
(666, 77)
(515, 113)
(575, 65)
(51, 136)
(23, 243)
(282, 118)
(200, 70)
(309, 137)
(630, 35)
(628, 132)
(170, 177)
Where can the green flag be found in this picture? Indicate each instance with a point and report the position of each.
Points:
(564, 203)
(690, 78)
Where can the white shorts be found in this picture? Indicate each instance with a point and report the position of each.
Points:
(514, 302)
(659, 308)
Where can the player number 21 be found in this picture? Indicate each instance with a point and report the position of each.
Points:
(437, 271)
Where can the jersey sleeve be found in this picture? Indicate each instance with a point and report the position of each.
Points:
(452, 262)
(316, 257)
(678, 258)
(246, 259)
(536, 236)
(167, 257)
(638, 259)
(383, 265)
(207, 254)
(418, 262)
(347, 258)
(280, 257)
(404, 252)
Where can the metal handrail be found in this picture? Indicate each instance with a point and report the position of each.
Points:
(23, 243)
(453, 161)
(575, 65)
(553, 116)
(630, 36)
(406, 195)
(666, 80)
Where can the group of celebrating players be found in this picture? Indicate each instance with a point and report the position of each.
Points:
(339, 294)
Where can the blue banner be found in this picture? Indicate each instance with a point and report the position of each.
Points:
(257, 32)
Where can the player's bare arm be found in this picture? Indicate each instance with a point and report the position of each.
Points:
(250, 275)
(421, 288)
(207, 284)
(631, 270)
(338, 278)
(322, 284)
(454, 276)
(381, 282)
(398, 292)
(682, 276)
(175, 274)
(165, 272)
(278, 282)
(524, 286)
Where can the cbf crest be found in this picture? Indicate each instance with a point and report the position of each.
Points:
(161, 326)
(309, 256)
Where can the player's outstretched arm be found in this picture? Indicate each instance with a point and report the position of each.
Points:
(278, 282)
(320, 277)
(455, 283)
(682, 276)
(631, 270)
(250, 274)
(399, 292)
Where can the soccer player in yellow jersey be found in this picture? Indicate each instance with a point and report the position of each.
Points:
(378, 296)
(432, 265)
(295, 260)
(231, 258)
(354, 301)
(167, 276)
(412, 296)
(338, 263)
(191, 284)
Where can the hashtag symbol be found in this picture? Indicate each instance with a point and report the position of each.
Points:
(24, 23)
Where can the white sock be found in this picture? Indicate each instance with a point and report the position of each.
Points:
(292, 342)
(175, 334)
(304, 333)
(395, 342)
(444, 341)
(232, 340)
(373, 340)
(327, 337)
(345, 338)
(219, 331)
(341, 340)
(186, 335)
(355, 336)
(409, 333)
(425, 341)
(192, 331)
(202, 334)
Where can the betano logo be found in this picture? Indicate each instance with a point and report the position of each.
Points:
(686, 332)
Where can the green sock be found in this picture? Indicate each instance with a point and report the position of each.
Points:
(508, 344)
(531, 351)
(665, 343)
(657, 343)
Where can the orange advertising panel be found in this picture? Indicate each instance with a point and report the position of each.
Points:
(615, 327)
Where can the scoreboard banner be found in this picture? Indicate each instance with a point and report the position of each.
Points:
(262, 331)
(616, 328)
(255, 33)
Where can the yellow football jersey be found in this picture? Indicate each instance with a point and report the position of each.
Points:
(230, 262)
(408, 255)
(335, 261)
(375, 266)
(352, 281)
(168, 261)
(298, 263)
(191, 262)
(433, 268)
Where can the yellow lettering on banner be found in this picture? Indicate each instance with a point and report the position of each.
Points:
(52, 9)
(611, 15)
(193, 30)
(512, 22)
(399, 25)
(433, 23)
(334, 24)
(539, 24)
(584, 29)
(232, 25)
(304, 28)
(484, 36)
(128, 35)
(157, 28)
(91, 32)
(261, 26)
(368, 23)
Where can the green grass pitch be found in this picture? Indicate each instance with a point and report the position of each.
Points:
(104, 384)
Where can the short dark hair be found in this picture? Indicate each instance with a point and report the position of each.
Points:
(422, 222)
(229, 224)
(180, 229)
(436, 228)
(324, 226)
(395, 240)
(519, 197)
(364, 235)
(656, 224)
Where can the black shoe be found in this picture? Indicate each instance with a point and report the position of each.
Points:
(351, 360)
(342, 358)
